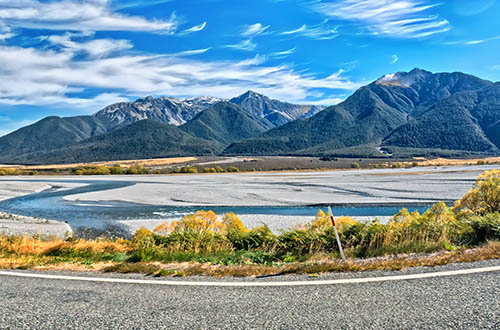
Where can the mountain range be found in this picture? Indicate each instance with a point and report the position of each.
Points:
(417, 112)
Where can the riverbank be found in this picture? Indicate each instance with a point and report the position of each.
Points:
(18, 225)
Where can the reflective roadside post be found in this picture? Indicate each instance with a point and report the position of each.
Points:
(330, 213)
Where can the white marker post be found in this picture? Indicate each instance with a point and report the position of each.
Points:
(330, 213)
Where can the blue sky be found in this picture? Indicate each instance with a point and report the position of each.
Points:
(73, 57)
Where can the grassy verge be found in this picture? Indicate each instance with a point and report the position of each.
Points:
(201, 243)
(317, 264)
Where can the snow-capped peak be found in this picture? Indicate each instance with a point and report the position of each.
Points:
(405, 79)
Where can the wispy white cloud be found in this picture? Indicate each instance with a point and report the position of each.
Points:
(322, 31)
(94, 48)
(5, 36)
(59, 77)
(283, 54)
(74, 15)
(124, 4)
(254, 30)
(247, 44)
(394, 59)
(496, 67)
(471, 42)
(397, 18)
(188, 53)
(6, 33)
(256, 60)
(196, 28)
(327, 101)
(349, 66)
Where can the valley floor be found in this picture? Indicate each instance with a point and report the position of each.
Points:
(423, 185)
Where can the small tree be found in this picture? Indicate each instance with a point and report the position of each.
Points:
(116, 169)
(200, 222)
(483, 198)
(233, 169)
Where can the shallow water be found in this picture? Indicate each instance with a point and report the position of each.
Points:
(51, 205)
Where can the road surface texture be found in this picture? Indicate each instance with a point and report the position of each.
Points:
(468, 301)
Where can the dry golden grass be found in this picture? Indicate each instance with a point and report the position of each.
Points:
(36, 247)
(74, 267)
(324, 264)
(319, 264)
(454, 162)
(123, 163)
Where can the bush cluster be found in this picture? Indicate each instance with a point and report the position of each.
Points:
(13, 171)
(193, 169)
(107, 170)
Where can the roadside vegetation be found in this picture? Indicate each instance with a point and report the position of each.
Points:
(203, 243)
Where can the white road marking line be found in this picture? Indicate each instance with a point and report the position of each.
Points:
(256, 284)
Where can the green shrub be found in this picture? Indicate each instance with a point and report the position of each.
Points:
(116, 169)
(482, 229)
(91, 170)
(257, 238)
(9, 171)
(232, 169)
(355, 165)
(145, 247)
(193, 241)
(136, 169)
(483, 198)
(188, 169)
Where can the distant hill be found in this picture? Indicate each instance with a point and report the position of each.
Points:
(225, 123)
(178, 111)
(273, 113)
(465, 121)
(167, 110)
(366, 117)
(48, 134)
(143, 139)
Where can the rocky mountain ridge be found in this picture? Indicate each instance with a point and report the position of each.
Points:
(406, 113)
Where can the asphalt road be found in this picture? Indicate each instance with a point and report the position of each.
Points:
(451, 302)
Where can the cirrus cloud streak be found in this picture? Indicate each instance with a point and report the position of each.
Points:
(75, 15)
(55, 76)
(396, 18)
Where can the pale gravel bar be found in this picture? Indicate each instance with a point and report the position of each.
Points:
(379, 186)
(17, 225)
